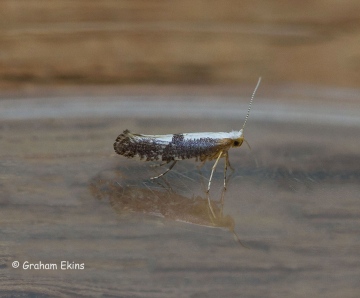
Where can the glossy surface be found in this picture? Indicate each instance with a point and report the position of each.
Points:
(294, 200)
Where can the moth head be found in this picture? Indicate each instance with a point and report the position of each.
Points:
(238, 142)
(238, 138)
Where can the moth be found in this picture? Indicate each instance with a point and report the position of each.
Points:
(170, 148)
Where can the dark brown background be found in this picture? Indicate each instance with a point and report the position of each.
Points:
(87, 41)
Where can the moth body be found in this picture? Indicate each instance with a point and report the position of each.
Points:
(166, 148)
(170, 148)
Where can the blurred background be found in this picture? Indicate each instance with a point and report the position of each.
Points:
(171, 42)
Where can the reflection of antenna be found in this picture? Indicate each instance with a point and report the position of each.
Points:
(251, 99)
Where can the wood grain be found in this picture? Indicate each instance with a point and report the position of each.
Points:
(122, 42)
(66, 196)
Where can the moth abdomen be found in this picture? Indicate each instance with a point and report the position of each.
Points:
(132, 145)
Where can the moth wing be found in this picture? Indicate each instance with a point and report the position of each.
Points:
(145, 147)
(203, 145)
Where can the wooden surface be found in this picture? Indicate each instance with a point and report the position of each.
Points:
(66, 196)
(191, 42)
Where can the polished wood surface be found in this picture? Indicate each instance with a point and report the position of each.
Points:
(293, 200)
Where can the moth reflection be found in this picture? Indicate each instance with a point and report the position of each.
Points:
(164, 203)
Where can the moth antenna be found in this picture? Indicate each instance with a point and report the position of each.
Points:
(251, 99)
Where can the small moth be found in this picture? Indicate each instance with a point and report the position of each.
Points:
(170, 148)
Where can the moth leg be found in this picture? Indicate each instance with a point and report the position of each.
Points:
(213, 169)
(212, 215)
(172, 165)
(210, 207)
(227, 163)
(208, 189)
(222, 202)
(201, 165)
(158, 165)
